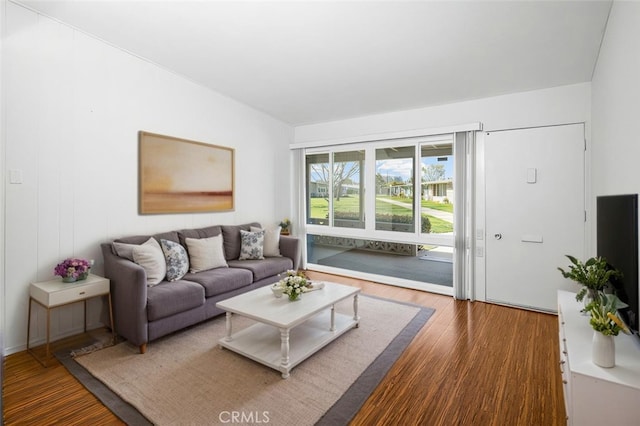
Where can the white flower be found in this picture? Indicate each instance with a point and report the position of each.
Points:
(293, 284)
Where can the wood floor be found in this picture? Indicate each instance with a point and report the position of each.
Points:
(472, 364)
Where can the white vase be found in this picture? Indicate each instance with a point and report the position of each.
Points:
(603, 351)
(277, 290)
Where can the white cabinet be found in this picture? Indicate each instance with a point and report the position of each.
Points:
(594, 395)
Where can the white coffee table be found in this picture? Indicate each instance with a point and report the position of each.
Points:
(287, 333)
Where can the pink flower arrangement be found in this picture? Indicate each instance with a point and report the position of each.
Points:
(73, 268)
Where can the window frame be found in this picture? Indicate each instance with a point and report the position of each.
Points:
(369, 231)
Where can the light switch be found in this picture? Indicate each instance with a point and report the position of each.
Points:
(532, 173)
(15, 176)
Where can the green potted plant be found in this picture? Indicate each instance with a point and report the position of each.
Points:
(285, 224)
(593, 275)
(604, 318)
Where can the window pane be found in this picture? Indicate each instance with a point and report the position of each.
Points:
(395, 189)
(436, 175)
(348, 189)
(317, 177)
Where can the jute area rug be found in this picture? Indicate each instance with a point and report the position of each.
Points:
(187, 379)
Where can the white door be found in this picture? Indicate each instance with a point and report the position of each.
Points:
(535, 212)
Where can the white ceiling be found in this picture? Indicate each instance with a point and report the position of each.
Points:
(314, 61)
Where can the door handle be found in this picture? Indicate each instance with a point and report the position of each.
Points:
(498, 236)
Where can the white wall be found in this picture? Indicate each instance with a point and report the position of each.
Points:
(74, 108)
(2, 143)
(616, 104)
(560, 105)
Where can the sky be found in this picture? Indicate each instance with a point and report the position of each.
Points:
(403, 167)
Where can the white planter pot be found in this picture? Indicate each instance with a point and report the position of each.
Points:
(603, 351)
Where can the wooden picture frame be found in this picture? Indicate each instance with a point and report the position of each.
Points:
(182, 176)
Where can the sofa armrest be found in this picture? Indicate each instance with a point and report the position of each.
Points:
(290, 247)
(128, 296)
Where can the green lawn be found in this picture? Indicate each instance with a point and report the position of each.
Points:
(437, 206)
(439, 226)
(424, 203)
(320, 206)
(320, 210)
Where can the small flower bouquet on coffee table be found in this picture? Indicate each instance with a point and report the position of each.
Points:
(294, 284)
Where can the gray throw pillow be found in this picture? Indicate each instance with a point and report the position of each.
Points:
(124, 250)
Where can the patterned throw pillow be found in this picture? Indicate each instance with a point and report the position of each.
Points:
(177, 260)
(252, 245)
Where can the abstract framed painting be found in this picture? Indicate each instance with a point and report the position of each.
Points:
(182, 176)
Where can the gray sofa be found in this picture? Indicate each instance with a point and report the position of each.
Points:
(144, 313)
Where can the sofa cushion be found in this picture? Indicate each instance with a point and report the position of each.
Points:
(170, 236)
(263, 268)
(177, 259)
(252, 245)
(221, 280)
(166, 299)
(149, 255)
(208, 232)
(139, 239)
(206, 253)
(123, 247)
(232, 241)
(271, 247)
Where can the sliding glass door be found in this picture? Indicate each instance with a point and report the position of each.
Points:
(383, 210)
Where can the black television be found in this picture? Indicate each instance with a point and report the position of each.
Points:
(617, 242)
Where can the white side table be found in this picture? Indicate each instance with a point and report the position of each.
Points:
(54, 294)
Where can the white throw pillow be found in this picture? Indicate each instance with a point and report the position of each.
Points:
(271, 246)
(205, 253)
(149, 255)
(252, 246)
